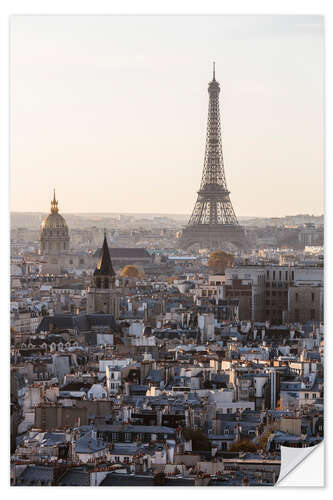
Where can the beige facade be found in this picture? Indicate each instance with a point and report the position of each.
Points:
(291, 425)
(305, 303)
(106, 301)
(49, 417)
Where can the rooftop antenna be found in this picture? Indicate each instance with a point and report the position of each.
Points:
(214, 70)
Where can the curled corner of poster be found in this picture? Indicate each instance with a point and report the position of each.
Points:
(302, 467)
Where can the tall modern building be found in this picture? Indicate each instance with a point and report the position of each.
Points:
(213, 223)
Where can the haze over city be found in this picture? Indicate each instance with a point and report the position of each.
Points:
(166, 249)
(112, 111)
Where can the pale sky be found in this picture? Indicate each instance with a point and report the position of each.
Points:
(112, 111)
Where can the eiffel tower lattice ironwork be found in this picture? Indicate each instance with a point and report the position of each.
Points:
(213, 221)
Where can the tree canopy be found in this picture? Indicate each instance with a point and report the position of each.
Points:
(130, 272)
(243, 445)
(171, 279)
(199, 439)
(219, 260)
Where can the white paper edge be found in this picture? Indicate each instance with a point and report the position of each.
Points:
(302, 467)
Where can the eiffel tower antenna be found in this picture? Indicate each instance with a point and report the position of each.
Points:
(213, 221)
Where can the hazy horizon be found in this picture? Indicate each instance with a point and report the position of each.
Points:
(112, 111)
(162, 213)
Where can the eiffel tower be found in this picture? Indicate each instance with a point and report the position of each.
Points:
(213, 223)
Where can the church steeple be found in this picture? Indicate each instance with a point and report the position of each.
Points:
(104, 265)
(103, 297)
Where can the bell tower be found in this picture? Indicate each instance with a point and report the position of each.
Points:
(102, 297)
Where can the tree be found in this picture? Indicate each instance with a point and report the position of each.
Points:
(171, 279)
(159, 479)
(130, 272)
(243, 445)
(44, 311)
(199, 439)
(219, 260)
(263, 440)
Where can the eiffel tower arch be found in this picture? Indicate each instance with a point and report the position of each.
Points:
(213, 223)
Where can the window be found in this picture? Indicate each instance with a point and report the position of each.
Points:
(314, 395)
(280, 275)
(292, 275)
(296, 297)
(267, 275)
(273, 275)
(306, 395)
(312, 297)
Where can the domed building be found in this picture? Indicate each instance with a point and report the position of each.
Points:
(54, 236)
(54, 239)
(57, 258)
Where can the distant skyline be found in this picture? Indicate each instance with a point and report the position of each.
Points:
(154, 213)
(111, 111)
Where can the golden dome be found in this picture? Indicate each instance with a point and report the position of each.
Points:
(54, 220)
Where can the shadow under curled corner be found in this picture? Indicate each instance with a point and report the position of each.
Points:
(302, 467)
